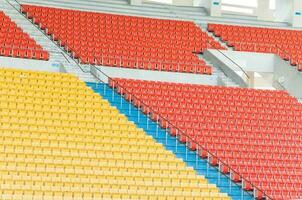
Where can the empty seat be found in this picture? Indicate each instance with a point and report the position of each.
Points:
(58, 139)
(283, 42)
(257, 133)
(159, 44)
(15, 43)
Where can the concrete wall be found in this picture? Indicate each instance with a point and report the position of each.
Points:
(227, 66)
(283, 12)
(215, 7)
(183, 2)
(287, 77)
(202, 3)
(297, 13)
(289, 11)
(249, 61)
(29, 64)
(156, 75)
(247, 69)
(263, 11)
(135, 2)
(264, 70)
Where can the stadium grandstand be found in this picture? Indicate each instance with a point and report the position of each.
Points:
(151, 100)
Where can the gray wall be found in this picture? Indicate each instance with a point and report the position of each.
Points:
(285, 76)
(159, 75)
(237, 64)
(228, 67)
(29, 64)
(250, 61)
(288, 77)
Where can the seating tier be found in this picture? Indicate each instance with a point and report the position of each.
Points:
(15, 43)
(126, 41)
(60, 140)
(257, 133)
(285, 43)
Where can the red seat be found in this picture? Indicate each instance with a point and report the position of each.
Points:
(266, 40)
(5, 51)
(171, 44)
(236, 126)
(16, 41)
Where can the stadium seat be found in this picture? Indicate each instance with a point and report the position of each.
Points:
(14, 42)
(255, 132)
(283, 42)
(132, 40)
(60, 140)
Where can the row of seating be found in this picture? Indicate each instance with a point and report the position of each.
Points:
(124, 41)
(15, 43)
(261, 151)
(76, 146)
(283, 42)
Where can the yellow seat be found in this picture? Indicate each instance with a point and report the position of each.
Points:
(60, 140)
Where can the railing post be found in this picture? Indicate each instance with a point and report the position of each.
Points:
(147, 121)
(242, 191)
(186, 148)
(166, 135)
(104, 88)
(176, 140)
(112, 96)
(121, 103)
(230, 180)
(196, 156)
(129, 104)
(208, 160)
(219, 171)
(138, 113)
(156, 126)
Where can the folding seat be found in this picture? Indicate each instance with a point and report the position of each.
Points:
(154, 66)
(21, 53)
(126, 62)
(132, 64)
(5, 51)
(165, 67)
(106, 61)
(28, 54)
(117, 62)
(38, 54)
(14, 52)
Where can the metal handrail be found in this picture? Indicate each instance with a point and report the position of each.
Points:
(282, 86)
(244, 72)
(159, 117)
(241, 68)
(44, 33)
(286, 53)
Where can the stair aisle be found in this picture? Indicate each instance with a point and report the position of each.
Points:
(170, 142)
(11, 8)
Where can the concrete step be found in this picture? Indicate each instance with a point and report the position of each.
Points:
(57, 54)
(220, 74)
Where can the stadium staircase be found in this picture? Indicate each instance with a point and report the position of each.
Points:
(222, 78)
(171, 143)
(57, 53)
(11, 8)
